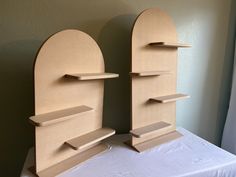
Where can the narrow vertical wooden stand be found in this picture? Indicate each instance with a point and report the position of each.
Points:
(69, 86)
(153, 73)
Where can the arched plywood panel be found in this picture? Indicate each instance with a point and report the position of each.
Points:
(69, 90)
(154, 55)
(67, 52)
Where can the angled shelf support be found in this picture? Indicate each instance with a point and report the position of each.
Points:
(69, 163)
(91, 76)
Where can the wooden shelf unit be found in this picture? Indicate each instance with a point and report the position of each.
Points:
(89, 139)
(91, 76)
(149, 73)
(168, 44)
(150, 129)
(153, 50)
(58, 116)
(64, 109)
(170, 98)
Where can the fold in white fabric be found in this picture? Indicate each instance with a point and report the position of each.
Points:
(188, 156)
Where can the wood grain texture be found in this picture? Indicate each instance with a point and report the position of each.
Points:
(169, 98)
(168, 44)
(59, 116)
(91, 76)
(90, 138)
(150, 129)
(157, 141)
(154, 48)
(68, 51)
(149, 73)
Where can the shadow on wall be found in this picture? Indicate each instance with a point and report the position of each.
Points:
(16, 66)
(38, 21)
(226, 78)
(115, 43)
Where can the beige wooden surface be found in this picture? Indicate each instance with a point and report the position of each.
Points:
(90, 138)
(59, 116)
(149, 73)
(157, 141)
(169, 98)
(168, 44)
(150, 129)
(66, 52)
(91, 76)
(149, 54)
(72, 161)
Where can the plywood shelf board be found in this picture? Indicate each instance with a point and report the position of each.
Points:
(58, 116)
(71, 162)
(150, 73)
(168, 44)
(169, 98)
(147, 130)
(91, 76)
(90, 138)
(157, 141)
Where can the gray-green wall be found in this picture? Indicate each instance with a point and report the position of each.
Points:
(25, 24)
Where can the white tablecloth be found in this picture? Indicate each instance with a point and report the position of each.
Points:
(188, 156)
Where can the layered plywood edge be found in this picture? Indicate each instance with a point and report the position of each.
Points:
(154, 53)
(68, 107)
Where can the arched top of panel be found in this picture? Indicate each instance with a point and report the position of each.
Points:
(153, 25)
(70, 53)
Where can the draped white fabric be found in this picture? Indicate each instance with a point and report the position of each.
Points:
(229, 135)
(188, 156)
